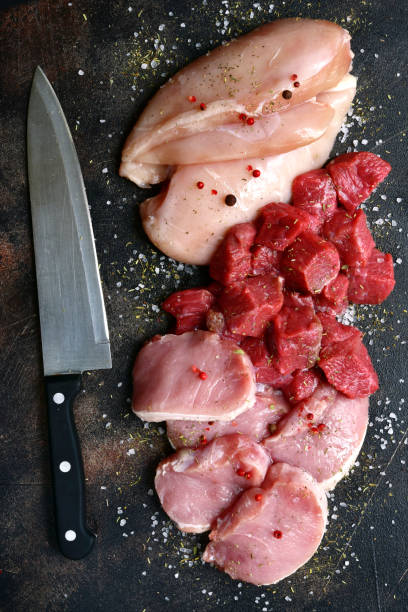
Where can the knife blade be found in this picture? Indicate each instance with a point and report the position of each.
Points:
(74, 330)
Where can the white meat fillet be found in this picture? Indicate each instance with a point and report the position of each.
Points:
(167, 382)
(195, 486)
(246, 543)
(257, 422)
(329, 454)
(247, 75)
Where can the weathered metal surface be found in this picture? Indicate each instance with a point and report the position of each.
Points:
(93, 58)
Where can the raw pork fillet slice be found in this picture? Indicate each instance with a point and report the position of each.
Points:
(322, 435)
(167, 381)
(258, 422)
(270, 531)
(195, 486)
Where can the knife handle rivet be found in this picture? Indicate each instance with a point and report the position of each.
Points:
(70, 535)
(58, 398)
(64, 466)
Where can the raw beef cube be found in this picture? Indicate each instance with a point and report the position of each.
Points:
(249, 306)
(302, 385)
(189, 307)
(347, 366)
(257, 351)
(334, 331)
(373, 282)
(310, 263)
(279, 224)
(333, 298)
(264, 261)
(356, 175)
(231, 262)
(270, 375)
(315, 193)
(351, 236)
(295, 336)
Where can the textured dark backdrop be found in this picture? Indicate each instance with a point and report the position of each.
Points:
(105, 59)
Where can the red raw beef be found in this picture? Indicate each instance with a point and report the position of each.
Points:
(334, 331)
(264, 261)
(215, 288)
(315, 193)
(351, 236)
(348, 368)
(249, 306)
(333, 298)
(279, 224)
(302, 385)
(310, 263)
(356, 175)
(295, 336)
(189, 307)
(265, 366)
(373, 282)
(231, 262)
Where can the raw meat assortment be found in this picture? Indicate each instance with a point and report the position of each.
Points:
(323, 435)
(271, 530)
(195, 486)
(259, 369)
(194, 375)
(257, 422)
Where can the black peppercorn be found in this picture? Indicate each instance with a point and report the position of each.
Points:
(230, 200)
(286, 94)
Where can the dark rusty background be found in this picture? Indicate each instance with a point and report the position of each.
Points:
(144, 564)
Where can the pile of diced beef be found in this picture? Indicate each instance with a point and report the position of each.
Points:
(280, 282)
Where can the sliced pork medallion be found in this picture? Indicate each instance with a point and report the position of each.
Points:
(258, 423)
(323, 435)
(195, 486)
(197, 375)
(270, 531)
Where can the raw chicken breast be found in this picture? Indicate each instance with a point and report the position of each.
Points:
(323, 435)
(196, 375)
(257, 423)
(188, 223)
(270, 531)
(200, 107)
(195, 486)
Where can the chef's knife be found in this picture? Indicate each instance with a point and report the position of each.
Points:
(74, 330)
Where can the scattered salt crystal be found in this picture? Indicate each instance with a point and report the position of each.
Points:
(104, 170)
(81, 72)
(131, 451)
(150, 492)
(122, 522)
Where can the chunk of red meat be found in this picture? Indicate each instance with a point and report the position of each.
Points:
(333, 298)
(310, 263)
(295, 336)
(279, 224)
(189, 307)
(347, 366)
(264, 261)
(249, 306)
(334, 331)
(315, 193)
(302, 385)
(373, 282)
(231, 262)
(214, 288)
(356, 175)
(266, 370)
(351, 236)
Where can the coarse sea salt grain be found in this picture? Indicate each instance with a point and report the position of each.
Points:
(81, 72)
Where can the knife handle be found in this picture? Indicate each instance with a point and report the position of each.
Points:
(74, 538)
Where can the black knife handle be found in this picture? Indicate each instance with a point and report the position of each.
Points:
(74, 538)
